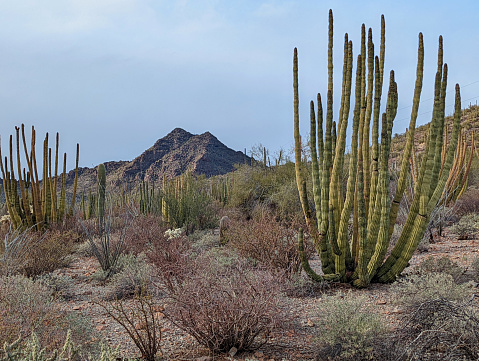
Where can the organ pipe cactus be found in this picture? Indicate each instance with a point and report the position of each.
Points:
(28, 204)
(361, 258)
(101, 191)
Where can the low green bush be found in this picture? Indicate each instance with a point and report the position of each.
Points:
(28, 306)
(349, 328)
(467, 227)
(134, 276)
(442, 265)
(417, 289)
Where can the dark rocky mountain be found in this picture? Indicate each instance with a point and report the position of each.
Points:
(176, 153)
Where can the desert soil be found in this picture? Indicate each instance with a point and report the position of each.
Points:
(296, 343)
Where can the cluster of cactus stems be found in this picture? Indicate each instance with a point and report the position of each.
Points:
(361, 258)
(37, 203)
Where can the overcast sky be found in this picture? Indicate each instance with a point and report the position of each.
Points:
(116, 75)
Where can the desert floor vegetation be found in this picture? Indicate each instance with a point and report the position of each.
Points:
(258, 264)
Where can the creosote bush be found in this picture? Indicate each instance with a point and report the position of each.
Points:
(442, 265)
(467, 227)
(27, 306)
(226, 307)
(134, 276)
(417, 289)
(349, 328)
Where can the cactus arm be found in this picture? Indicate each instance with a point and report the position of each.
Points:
(315, 163)
(23, 191)
(75, 182)
(401, 186)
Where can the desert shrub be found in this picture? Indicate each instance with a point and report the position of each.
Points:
(301, 286)
(171, 258)
(440, 329)
(467, 227)
(442, 265)
(468, 203)
(53, 250)
(16, 245)
(349, 329)
(274, 187)
(33, 253)
(144, 231)
(475, 269)
(266, 241)
(59, 285)
(27, 306)
(108, 245)
(226, 307)
(140, 319)
(32, 351)
(421, 288)
(134, 277)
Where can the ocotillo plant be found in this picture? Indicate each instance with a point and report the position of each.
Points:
(361, 258)
(34, 206)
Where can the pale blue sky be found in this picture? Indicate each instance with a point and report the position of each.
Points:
(116, 75)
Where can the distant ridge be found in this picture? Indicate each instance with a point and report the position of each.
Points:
(176, 153)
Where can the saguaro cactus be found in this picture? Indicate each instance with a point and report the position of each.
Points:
(361, 258)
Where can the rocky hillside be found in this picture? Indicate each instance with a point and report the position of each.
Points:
(176, 153)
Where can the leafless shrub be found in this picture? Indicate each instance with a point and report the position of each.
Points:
(50, 251)
(108, 245)
(266, 241)
(141, 321)
(468, 203)
(171, 258)
(441, 329)
(226, 307)
(15, 246)
(144, 233)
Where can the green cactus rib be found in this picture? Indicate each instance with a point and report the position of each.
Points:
(360, 260)
(101, 191)
(32, 206)
(350, 189)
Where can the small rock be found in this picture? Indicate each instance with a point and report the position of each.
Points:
(309, 323)
(232, 351)
(381, 302)
(397, 311)
(259, 354)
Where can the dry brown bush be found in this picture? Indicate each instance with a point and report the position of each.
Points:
(266, 241)
(141, 321)
(226, 307)
(440, 329)
(51, 251)
(144, 233)
(468, 203)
